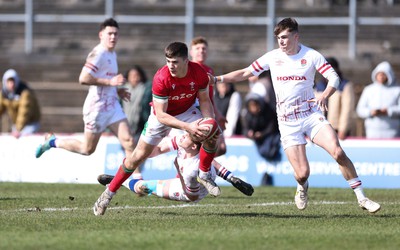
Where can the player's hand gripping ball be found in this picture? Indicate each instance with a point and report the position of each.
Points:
(211, 126)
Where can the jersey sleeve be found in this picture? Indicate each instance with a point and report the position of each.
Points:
(172, 144)
(203, 79)
(260, 65)
(322, 66)
(93, 62)
(160, 91)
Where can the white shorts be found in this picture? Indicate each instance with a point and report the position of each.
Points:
(154, 131)
(295, 132)
(97, 122)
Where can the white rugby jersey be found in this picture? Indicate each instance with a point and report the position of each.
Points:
(293, 79)
(188, 166)
(101, 63)
(183, 159)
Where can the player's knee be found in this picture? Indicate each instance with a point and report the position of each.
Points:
(339, 155)
(88, 151)
(302, 174)
(221, 150)
(128, 143)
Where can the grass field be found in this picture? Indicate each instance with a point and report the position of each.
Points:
(59, 216)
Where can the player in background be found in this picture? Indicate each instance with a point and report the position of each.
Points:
(199, 53)
(293, 68)
(185, 187)
(101, 109)
(175, 89)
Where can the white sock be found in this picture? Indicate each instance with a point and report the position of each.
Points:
(110, 193)
(203, 175)
(137, 176)
(356, 185)
(302, 187)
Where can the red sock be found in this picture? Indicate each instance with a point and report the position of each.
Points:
(122, 175)
(206, 158)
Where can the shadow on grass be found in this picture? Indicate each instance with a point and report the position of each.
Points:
(291, 216)
(9, 198)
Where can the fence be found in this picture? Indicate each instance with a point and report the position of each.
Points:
(190, 19)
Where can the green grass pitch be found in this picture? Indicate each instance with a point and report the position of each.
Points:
(59, 216)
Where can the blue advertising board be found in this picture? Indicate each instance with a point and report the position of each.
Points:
(377, 163)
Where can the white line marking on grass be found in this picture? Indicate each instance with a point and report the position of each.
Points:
(49, 209)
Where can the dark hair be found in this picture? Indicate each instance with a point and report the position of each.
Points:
(286, 23)
(198, 144)
(199, 40)
(176, 49)
(108, 22)
(265, 74)
(333, 62)
(142, 74)
(335, 65)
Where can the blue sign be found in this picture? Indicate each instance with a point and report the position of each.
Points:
(377, 164)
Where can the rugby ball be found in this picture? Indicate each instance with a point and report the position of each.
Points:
(211, 125)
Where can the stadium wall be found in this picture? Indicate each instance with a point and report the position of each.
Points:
(377, 163)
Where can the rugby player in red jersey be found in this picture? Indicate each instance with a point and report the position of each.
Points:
(175, 89)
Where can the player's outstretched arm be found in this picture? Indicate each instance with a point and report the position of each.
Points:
(234, 76)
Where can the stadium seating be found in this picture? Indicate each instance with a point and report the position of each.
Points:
(59, 49)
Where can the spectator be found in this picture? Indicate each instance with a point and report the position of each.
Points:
(261, 125)
(341, 105)
(262, 85)
(229, 103)
(20, 103)
(379, 104)
(137, 109)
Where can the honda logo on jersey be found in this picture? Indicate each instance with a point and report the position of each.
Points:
(291, 78)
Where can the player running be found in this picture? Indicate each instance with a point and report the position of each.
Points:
(293, 68)
(175, 89)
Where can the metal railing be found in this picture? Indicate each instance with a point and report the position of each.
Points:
(190, 19)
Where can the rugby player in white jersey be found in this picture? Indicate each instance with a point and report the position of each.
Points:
(293, 67)
(185, 187)
(101, 109)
